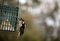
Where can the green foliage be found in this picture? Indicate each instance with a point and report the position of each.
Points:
(36, 1)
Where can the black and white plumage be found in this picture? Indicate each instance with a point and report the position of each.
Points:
(21, 27)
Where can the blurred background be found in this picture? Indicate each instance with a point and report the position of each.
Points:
(42, 19)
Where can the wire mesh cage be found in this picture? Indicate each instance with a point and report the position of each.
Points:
(8, 17)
